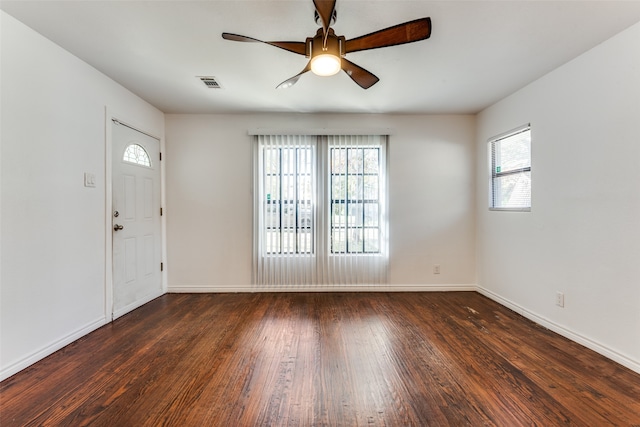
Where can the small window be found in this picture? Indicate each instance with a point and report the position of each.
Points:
(137, 155)
(510, 159)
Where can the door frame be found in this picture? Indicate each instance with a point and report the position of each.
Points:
(110, 117)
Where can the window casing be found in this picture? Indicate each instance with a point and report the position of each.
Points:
(510, 165)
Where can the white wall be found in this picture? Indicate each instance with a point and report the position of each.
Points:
(52, 259)
(432, 197)
(582, 236)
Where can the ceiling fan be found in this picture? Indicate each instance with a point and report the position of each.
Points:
(327, 51)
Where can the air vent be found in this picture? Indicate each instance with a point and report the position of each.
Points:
(210, 82)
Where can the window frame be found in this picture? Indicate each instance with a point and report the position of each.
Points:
(494, 174)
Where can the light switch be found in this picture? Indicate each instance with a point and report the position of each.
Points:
(89, 179)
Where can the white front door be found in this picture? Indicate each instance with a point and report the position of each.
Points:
(136, 219)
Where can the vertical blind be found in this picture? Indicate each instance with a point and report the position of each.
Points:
(320, 210)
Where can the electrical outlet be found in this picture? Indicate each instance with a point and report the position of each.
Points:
(559, 299)
(436, 269)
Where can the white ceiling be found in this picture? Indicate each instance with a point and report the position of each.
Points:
(479, 51)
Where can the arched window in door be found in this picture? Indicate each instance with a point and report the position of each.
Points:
(136, 154)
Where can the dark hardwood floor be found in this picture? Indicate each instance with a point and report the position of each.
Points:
(316, 359)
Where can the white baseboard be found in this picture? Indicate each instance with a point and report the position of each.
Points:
(634, 365)
(319, 288)
(136, 304)
(51, 348)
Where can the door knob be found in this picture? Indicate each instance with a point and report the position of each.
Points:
(118, 227)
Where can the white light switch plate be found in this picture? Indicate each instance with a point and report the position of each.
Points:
(89, 179)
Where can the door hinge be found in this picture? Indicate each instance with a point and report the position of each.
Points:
(160, 156)
(160, 211)
(162, 266)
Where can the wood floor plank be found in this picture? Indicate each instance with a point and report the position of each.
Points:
(322, 359)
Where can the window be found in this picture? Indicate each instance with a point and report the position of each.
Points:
(355, 201)
(288, 186)
(135, 154)
(510, 160)
(320, 210)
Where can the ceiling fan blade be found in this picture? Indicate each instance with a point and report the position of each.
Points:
(407, 32)
(362, 77)
(325, 10)
(295, 47)
(293, 80)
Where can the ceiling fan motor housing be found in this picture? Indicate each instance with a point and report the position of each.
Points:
(335, 44)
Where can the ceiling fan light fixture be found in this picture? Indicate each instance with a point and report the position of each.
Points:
(326, 64)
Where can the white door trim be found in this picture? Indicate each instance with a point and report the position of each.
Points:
(110, 116)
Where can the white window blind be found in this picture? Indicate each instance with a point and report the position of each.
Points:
(510, 162)
(320, 210)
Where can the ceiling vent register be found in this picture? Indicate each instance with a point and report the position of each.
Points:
(210, 82)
